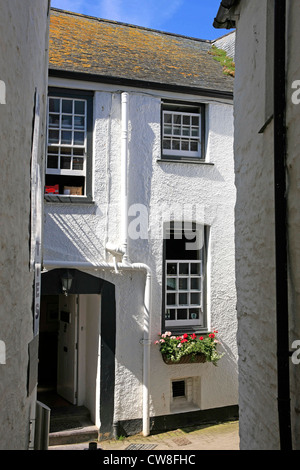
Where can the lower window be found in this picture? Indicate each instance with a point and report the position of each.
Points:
(184, 272)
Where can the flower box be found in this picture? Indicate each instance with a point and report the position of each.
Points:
(188, 349)
(188, 359)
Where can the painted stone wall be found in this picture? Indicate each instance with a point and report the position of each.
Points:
(23, 70)
(80, 233)
(255, 264)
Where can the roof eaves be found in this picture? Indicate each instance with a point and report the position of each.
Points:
(205, 92)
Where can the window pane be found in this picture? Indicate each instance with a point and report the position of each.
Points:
(183, 268)
(183, 284)
(167, 143)
(195, 283)
(52, 161)
(186, 120)
(53, 137)
(54, 120)
(182, 314)
(79, 107)
(77, 163)
(53, 150)
(185, 131)
(170, 314)
(194, 313)
(177, 130)
(54, 105)
(79, 151)
(67, 106)
(66, 121)
(66, 150)
(167, 118)
(79, 122)
(194, 146)
(171, 268)
(177, 118)
(78, 138)
(176, 145)
(195, 132)
(195, 268)
(195, 120)
(184, 145)
(171, 299)
(183, 299)
(66, 137)
(195, 299)
(65, 163)
(168, 130)
(171, 284)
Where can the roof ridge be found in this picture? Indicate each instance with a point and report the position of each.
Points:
(208, 41)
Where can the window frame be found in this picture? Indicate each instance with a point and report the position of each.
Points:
(187, 326)
(87, 174)
(184, 108)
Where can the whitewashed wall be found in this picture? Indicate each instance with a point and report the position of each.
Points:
(23, 69)
(80, 232)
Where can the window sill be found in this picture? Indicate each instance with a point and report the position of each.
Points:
(184, 160)
(69, 199)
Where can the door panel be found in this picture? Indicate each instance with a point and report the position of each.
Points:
(67, 348)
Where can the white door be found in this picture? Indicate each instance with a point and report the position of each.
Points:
(67, 348)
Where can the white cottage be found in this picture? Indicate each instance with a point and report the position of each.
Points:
(139, 225)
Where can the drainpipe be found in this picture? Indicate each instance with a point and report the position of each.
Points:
(281, 256)
(124, 182)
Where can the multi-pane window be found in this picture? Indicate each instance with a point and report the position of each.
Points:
(182, 132)
(67, 145)
(184, 279)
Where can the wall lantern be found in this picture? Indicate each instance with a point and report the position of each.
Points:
(66, 281)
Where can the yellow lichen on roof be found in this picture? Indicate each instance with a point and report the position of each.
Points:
(103, 48)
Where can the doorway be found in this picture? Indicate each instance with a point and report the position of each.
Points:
(57, 372)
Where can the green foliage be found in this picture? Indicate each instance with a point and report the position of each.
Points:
(227, 62)
(175, 347)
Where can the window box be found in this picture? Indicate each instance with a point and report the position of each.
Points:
(188, 359)
(187, 349)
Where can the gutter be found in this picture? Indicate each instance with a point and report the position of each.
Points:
(281, 239)
(224, 19)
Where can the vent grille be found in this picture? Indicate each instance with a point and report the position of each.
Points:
(178, 388)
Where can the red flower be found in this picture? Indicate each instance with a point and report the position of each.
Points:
(201, 337)
(184, 341)
(185, 336)
(211, 335)
(193, 336)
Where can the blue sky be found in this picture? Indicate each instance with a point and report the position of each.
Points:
(188, 17)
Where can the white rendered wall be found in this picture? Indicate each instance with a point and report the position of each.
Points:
(80, 232)
(23, 69)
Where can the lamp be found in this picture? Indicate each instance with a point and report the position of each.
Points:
(66, 281)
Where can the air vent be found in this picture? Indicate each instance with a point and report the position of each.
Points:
(178, 388)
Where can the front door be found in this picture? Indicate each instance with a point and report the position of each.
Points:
(67, 348)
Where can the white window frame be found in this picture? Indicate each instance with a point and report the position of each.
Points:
(67, 146)
(178, 230)
(179, 292)
(182, 133)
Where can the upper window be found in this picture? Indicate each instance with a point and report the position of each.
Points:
(69, 152)
(182, 131)
(184, 266)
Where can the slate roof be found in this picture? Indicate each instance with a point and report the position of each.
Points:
(101, 49)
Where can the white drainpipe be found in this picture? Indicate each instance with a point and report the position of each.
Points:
(125, 265)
